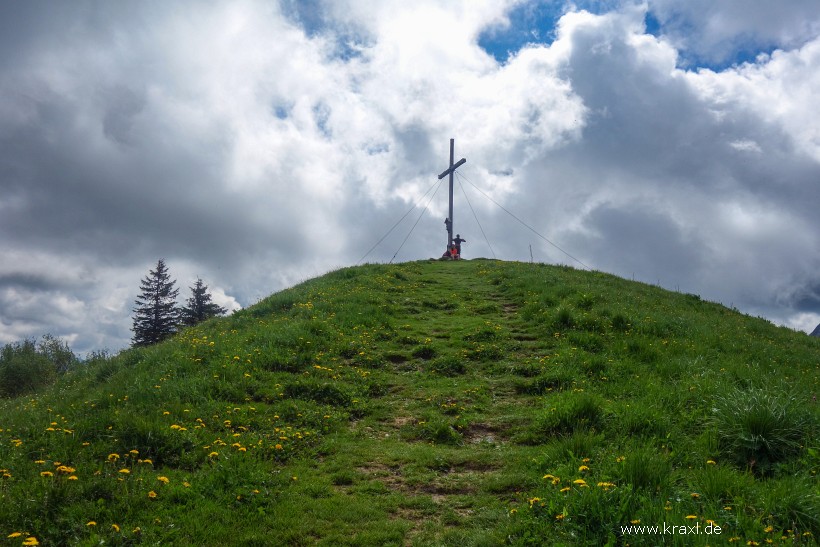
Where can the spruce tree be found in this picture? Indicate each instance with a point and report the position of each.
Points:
(156, 316)
(199, 306)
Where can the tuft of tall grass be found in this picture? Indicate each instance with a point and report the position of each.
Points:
(645, 469)
(794, 504)
(570, 412)
(757, 428)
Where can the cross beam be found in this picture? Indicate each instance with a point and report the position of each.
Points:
(450, 170)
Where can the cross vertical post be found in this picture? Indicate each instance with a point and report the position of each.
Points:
(450, 171)
(450, 231)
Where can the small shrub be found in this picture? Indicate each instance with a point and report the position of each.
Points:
(58, 352)
(23, 369)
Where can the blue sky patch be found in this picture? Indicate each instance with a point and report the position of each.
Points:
(653, 26)
(534, 22)
(530, 23)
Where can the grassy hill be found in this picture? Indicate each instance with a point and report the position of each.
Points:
(431, 403)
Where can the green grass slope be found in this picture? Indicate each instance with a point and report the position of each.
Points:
(431, 403)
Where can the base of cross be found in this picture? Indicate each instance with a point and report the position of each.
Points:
(451, 254)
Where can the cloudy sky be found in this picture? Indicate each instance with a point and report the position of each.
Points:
(259, 144)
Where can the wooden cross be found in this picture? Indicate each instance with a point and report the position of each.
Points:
(450, 170)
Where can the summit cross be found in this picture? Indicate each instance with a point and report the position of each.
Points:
(450, 170)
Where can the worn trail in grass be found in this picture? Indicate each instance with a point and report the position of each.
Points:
(408, 457)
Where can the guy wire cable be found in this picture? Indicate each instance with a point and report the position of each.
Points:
(533, 230)
(398, 222)
(417, 221)
(474, 215)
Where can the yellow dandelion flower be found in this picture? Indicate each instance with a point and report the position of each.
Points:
(46, 474)
(213, 454)
(711, 462)
(186, 484)
(583, 468)
(694, 495)
(152, 494)
(635, 521)
(548, 477)
(163, 480)
(113, 457)
(31, 540)
(769, 529)
(134, 452)
(115, 527)
(147, 461)
(73, 478)
(242, 449)
(579, 482)
(559, 517)
(40, 462)
(125, 471)
(278, 447)
(15, 535)
(691, 517)
(90, 523)
(565, 489)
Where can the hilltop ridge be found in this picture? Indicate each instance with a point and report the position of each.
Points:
(473, 402)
